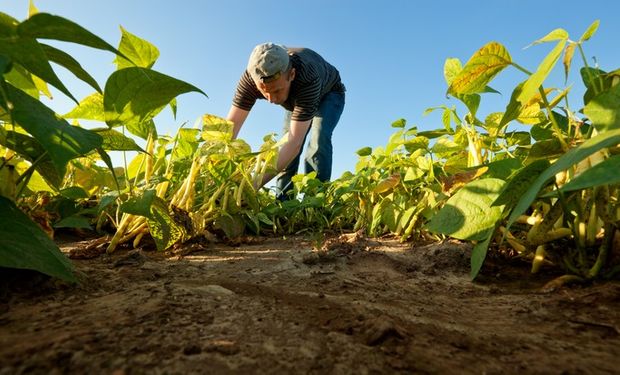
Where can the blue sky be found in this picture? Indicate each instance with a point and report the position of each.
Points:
(390, 53)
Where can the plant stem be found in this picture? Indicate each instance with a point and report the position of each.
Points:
(519, 67)
(603, 250)
(554, 123)
(597, 90)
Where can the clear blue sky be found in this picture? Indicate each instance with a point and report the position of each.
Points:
(390, 53)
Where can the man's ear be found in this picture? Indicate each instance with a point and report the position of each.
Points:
(292, 74)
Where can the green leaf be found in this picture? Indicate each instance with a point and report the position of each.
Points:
(62, 141)
(557, 34)
(604, 110)
(445, 145)
(173, 107)
(216, 129)
(140, 205)
(416, 143)
(115, 141)
(187, 143)
(591, 77)
(491, 123)
(22, 79)
(517, 138)
(468, 214)
(451, 68)
(162, 226)
(90, 108)
(364, 151)
(389, 216)
(590, 31)
(142, 129)
(446, 119)
(65, 60)
(47, 26)
(491, 90)
(603, 173)
(481, 68)
(74, 192)
(532, 84)
(74, 221)
(519, 183)
(531, 114)
(406, 216)
(108, 162)
(431, 134)
(24, 245)
(8, 25)
(400, 123)
(502, 169)
(540, 132)
(413, 173)
(31, 150)
(572, 157)
(545, 149)
(513, 109)
(232, 225)
(135, 95)
(479, 254)
(30, 54)
(141, 52)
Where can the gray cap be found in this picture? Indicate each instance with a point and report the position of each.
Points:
(267, 62)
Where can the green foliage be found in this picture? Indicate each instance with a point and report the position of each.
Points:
(24, 245)
(537, 163)
(42, 152)
(570, 159)
(481, 68)
(135, 95)
(603, 173)
(469, 214)
(563, 185)
(603, 109)
(62, 141)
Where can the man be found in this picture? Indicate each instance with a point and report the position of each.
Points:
(310, 90)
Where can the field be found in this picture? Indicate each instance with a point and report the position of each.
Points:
(488, 244)
(273, 305)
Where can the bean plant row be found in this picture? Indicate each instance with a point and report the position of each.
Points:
(536, 179)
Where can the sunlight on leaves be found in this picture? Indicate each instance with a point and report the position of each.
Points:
(531, 85)
(590, 31)
(604, 110)
(570, 158)
(90, 108)
(469, 214)
(134, 95)
(481, 68)
(141, 52)
(557, 34)
(62, 141)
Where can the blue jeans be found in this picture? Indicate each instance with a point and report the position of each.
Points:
(318, 156)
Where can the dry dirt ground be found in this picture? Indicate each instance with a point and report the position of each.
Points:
(276, 306)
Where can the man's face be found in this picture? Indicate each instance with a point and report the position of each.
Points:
(277, 91)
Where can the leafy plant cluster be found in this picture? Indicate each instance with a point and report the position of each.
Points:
(548, 190)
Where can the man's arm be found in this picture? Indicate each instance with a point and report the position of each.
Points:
(237, 116)
(290, 148)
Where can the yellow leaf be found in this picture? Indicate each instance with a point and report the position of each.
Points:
(387, 184)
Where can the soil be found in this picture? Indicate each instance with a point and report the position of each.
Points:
(279, 305)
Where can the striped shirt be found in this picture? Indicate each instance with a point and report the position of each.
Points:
(314, 78)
